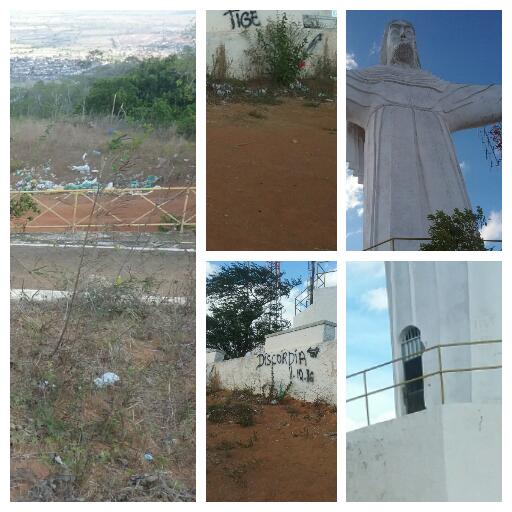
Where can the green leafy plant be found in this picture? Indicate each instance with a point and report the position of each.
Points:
(280, 50)
(23, 204)
(457, 232)
(238, 297)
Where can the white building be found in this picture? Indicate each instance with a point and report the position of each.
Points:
(445, 444)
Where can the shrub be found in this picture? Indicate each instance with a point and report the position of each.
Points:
(280, 50)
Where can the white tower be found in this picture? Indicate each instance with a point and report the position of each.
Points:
(445, 443)
(434, 304)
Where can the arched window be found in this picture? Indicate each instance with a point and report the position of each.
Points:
(412, 349)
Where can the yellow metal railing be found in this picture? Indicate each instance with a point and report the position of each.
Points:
(78, 210)
(391, 241)
(439, 372)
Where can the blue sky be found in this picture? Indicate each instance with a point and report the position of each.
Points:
(368, 341)
(458, 46)
(292, 270)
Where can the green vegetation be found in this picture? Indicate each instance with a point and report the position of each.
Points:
(239, 297)
(280, 50)
(160, 91)
(157, 91)
(242, 414)
(458, 232)
(22, 205)
(100, 434)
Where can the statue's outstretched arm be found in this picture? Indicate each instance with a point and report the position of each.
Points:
(357, 101)
(470, 106)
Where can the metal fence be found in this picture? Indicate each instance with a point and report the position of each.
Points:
(129, 209)
(441, 371)
(391, 241)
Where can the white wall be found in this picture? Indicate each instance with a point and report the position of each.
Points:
(323, 307)
(223, 28)
(312, 372)
(212, 356)
(447, 453)
(300, 337)
(449, 302)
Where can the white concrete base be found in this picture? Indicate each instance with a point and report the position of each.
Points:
(448, 453)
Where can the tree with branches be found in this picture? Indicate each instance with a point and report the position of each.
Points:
(238, 297)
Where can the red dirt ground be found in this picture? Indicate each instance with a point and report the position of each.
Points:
(271, 176)
(113, 211)
(289, 454)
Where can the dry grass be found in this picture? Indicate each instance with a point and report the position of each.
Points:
(101, 435)
(36, 143)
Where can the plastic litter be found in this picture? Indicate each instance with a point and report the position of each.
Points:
(83, 169)
(58, 460)
(107, 379)
(148, 457)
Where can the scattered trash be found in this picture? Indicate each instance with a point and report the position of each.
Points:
(44, 385)
(273, 402)
(83, 169)
(38, 179)
(148, 457)
(58, 460)
(84, 185)
(222, 89)
(107, 379)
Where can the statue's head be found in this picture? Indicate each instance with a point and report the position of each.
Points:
(399, 45)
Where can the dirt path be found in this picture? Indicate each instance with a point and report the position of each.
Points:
(167, 273)
(271, 176)
(289, 454)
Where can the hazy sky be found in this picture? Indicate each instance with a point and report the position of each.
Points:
(458, 46)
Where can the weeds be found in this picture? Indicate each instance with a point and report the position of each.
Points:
(280, 50)
(213, 385)
(242, 414)
(101, 435)
(271, 393)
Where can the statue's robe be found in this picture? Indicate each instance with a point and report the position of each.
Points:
(399, 146)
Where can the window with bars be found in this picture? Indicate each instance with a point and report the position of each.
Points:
(412, 349)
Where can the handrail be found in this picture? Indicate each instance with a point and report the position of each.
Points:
(439, 372)
(406, 238)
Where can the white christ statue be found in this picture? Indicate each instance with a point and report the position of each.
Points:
(399, 120)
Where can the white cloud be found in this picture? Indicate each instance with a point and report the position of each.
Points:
(464, 167)
(376, 299)
(354, 192)
(493, 229)
(351, 61)
(375, 49)
(211, 268)
(289, 303)
(360, 212)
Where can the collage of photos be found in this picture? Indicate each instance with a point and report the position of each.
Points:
(148, 147)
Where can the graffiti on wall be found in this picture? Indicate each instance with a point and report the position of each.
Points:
(243, 19)
(314, 42)
(295, 360)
